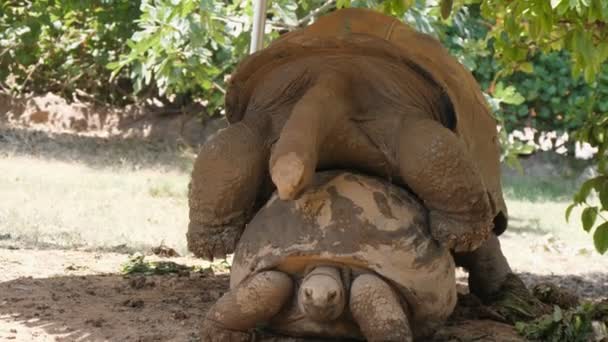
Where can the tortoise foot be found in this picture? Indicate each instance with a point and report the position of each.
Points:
(214, 242)
(516, 303)
(288, 174)
(212, 332)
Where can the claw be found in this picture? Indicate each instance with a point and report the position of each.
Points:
(288, 175)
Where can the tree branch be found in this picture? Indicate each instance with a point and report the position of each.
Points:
(316, 12)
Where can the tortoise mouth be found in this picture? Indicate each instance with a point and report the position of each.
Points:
(322, 314)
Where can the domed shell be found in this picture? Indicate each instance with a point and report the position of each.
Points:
(359, 222)
(474, 125)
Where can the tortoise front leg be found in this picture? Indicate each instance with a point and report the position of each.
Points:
(295, 155)
(226, 180)
(254, 301)
(377, 310)
(434, 162)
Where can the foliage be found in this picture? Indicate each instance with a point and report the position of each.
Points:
(188, 47)
(64, 46)
(520, 35)
(573, 325)
(595, 132)
(552, 99)
(181, 47)
(536, 37)
(138, 265)
(578, 26)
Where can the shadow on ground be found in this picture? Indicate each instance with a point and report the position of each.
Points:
(107, 307)
(587, 286)
(95, 152)
(164, 308)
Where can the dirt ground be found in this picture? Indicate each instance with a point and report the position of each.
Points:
(129, 196)
(79, 296)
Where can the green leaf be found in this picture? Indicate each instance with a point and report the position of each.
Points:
(508, 95)
(446, 8)
(342, 3)
(600, 238)
(585, 189)
(603, 192)
(569, 211)
(557, 314)
(588, 218)
(526, 67)
(555, 3)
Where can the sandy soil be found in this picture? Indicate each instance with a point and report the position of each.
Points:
(78, 296)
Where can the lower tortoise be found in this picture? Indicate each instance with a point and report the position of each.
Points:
(352, 258)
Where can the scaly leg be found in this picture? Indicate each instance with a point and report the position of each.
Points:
(377, 310)
(437, 167)
(295, 155)
(226, 180)
(492, 280)
(487, 266)
(254, 301)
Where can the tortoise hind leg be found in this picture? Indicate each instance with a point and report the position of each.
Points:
(377, 310)
(226, 181)
(487, 266)
(254, 301)
(434, 162)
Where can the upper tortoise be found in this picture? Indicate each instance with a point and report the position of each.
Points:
(355, 90)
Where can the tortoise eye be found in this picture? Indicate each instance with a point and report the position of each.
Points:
(331, 295)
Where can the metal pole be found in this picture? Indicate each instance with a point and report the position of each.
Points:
(259, 20)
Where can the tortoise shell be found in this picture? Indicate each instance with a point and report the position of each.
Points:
(356, 222)
(372, 33)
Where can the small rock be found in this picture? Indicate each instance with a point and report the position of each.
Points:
(165, 252)
(211, 295)
(180, 315)
(98, 322)
(137, 282)
(13, 331)
(134, 303)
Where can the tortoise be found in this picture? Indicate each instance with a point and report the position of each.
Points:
(362, 91)
(351, 258)
(355, 90)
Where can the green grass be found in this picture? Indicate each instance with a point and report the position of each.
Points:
(535, 189)
(70, 205)
(76, 192)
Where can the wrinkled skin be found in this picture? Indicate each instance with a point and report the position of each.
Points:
(355, 90)
(322, 295)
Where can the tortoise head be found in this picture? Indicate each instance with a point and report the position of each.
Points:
(322, 296)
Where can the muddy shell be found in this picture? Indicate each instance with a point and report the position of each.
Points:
(474, 125)
(360, 223)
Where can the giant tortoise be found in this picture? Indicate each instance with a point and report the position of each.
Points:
(352, 257)
(362, 91)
